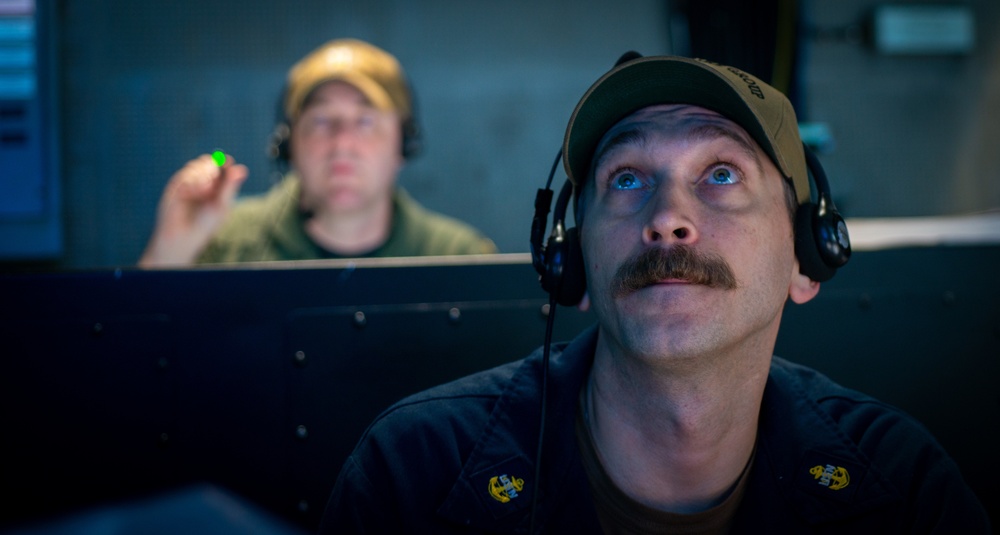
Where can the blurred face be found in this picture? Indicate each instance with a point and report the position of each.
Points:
(346, 152)
(686, 237)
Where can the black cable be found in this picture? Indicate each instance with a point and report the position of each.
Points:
(552, 172)
(543, 200)
(546, 350)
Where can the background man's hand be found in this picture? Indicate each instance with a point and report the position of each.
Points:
(194, 204)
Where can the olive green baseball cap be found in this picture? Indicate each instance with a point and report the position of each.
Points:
(763, 111)
(373, 71)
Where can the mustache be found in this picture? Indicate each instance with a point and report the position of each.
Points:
(679, 262)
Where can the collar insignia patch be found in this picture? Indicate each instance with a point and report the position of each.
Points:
(504, 488)
(832, 477)
(829, 476)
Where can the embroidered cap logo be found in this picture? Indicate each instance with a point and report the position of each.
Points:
(751, 83)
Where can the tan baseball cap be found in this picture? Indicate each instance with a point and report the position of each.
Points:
(763, 111)
(375, 72)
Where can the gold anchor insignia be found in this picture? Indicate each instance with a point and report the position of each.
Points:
(832, 477)
(503, 488)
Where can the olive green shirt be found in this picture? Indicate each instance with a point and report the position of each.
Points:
(272, 227)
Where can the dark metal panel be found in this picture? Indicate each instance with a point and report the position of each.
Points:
(195, 375)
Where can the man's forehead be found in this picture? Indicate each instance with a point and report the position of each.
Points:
(336, 89)
(678, 109)
(694, 122)
(672, 116)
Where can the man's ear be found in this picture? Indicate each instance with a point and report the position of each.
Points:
(584, 304)
(802, 289)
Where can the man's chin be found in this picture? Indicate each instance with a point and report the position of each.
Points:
(345, 206)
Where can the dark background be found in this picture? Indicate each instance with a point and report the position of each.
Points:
(139, 88)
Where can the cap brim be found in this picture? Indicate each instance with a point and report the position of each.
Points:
(372, 91)
(654, 80)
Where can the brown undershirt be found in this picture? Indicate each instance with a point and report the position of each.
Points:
(621, 515)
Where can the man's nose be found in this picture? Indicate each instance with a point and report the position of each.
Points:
(670, 219)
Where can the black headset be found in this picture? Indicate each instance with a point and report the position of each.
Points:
(559, 262)
(822, 244)
(279, 142)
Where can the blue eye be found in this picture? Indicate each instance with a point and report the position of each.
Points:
(366, 121)
(626, 181)
(317, 124)
(722, 176)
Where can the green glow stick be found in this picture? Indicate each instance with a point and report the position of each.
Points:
(219, 157)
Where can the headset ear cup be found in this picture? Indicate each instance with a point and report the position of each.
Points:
(277, 145)
(574, 277)
(555, 261)
(807, 248)
(564, 274)
(412, 143)
(285, 150)
(832, 239)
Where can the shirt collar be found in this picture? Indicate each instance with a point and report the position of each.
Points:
(495, 490)
(807, 459)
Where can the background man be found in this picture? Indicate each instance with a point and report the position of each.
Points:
(671, 414)
(349, 128)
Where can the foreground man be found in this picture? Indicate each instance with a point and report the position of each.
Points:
(671, 415)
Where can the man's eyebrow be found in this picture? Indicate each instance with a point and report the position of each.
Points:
(632, 136)
(704, 132)
(709, 132)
